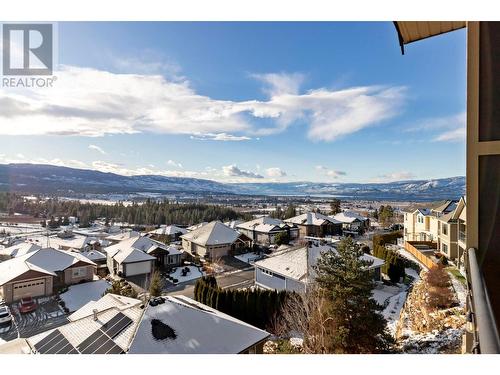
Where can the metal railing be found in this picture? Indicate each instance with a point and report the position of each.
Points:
(480, 314)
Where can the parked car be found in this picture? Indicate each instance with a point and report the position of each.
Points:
(27, 305)
(5, 316)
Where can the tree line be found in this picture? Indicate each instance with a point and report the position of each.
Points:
(150, 212)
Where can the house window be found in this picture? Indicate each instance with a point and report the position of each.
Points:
(444, 248)
(445, 229)
(79, 272)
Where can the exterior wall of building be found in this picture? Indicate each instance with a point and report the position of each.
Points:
(7, 290)
(193, 248)
(214, 252)
(270, 280)
(78, 274)
(447, 239)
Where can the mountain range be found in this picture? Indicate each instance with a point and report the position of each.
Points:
(64, 181)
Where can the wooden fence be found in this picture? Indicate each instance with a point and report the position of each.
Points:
(422, 258)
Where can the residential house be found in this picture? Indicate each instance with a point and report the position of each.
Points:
(264, 230)
(293, 269)
(99, 259)
(460, 215)
(315, 224)
(352, 222)
(18, 249)
(421, 224)
(214, 240)
(122, 236)
(116, 324)
(140, 255)
(181, 325)
(40, 272)
(167, 234)
(447, 235)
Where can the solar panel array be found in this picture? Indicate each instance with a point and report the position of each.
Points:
(100, 342)
(55, 343)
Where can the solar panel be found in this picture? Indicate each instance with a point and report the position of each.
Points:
(116, 325)
(89, 341)
(55, 343)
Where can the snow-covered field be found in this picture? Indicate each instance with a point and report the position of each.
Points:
(193, 274)
(247, 257)
(460, 290)
(80, 294)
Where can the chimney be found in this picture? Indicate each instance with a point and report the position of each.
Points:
(95, 311)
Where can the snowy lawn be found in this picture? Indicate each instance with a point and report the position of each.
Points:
(248, 257)
(193, 274)
(80, 294)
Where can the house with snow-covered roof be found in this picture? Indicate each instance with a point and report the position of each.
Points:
(315, 224)
(263, 230)
(352, 222)
(40, 272)
(214, 240)
(293, 269)
(18, 249)
(167, 233)
(140, 255)
(180, 325)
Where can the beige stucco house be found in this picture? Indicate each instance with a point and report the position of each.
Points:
(39, 273)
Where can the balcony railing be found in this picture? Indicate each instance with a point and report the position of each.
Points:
(486, 339)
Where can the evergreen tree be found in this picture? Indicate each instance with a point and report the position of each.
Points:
(355, 324)
(335, 206)
(156, 285)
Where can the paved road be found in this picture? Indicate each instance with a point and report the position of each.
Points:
(235, 279)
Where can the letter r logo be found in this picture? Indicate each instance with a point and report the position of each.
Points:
(27, 49)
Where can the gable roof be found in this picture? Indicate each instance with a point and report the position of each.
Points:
(213, 233)
(312, 218)
(123, 236)
(169, 230)
(298, 263)
(264, 224)
(46, 261)
(136, 249)
(19, 249)
(349, 217)
(199, 329)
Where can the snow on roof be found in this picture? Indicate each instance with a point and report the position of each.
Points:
(214, 233)
(199, 329)
(169, 230)
(123, 236)
(106, 302)
(46, 261)
(130, 250)
(312, 218)
(298, 263)
(78, 295)
(233, 223)
(264, 224)
(20, 249)
(79, 330)
(349, 217)
(93, 255)
(56, 260)
(196, 226)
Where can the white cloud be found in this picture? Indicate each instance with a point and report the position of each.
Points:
(90, 102)
(281, 83)
(275, 172)
(174, 164)
(233, 171)
(219, 137)
(330, 172)
(98, 149)
(395, 176)
(445, 129)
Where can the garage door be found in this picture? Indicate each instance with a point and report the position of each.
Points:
(33, 288)
(137, 268)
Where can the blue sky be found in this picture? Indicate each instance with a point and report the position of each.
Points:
(257, 102)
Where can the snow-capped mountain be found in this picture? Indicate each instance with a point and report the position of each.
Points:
(48, 179)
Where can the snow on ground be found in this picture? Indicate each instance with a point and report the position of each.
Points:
(80, 294)
(431, 343)
(460, 290)
(411, 272)
(247, 257)
(194, 273)
(392, 298)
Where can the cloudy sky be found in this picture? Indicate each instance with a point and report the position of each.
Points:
(256, 102)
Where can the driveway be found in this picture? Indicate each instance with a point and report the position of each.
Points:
(47, 316)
